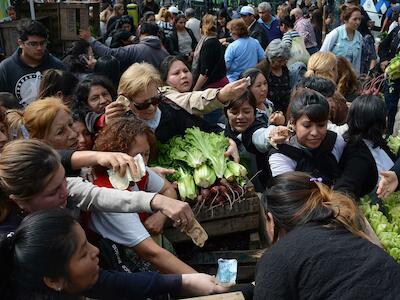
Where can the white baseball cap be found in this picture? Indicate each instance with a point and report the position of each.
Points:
(247, 11)
(173, 10)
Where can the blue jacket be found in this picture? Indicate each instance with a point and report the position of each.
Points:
(272, 30)
(337, 42)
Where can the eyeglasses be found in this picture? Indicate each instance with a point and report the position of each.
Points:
(34, 44)
(145, 105)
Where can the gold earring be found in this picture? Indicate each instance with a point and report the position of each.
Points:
(290, 127)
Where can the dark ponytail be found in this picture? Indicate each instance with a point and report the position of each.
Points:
(295, 199)
(42, 246)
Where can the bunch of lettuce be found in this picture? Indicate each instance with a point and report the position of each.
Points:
(393, 68)
(386, 226)
(393, 143)
(199, 158)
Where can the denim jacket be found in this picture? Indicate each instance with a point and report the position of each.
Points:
(338, 43)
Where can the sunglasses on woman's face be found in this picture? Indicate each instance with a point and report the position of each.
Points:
(145, 105)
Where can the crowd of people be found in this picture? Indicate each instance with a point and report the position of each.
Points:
(290, 97)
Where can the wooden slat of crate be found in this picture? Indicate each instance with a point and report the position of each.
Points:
(69, 15)
(246, 206)
(246, 273)
(226, 296)
(211, 257)
(218, 227)
(207, 262)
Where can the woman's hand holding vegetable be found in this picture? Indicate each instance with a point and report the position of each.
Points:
(232, 90)
(233, 151)
(200, 284)
(383, 65)
(387, 184)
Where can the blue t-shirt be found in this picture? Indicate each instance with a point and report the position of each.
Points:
(242, 54)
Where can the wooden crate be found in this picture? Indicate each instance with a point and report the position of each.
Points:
(244, 216)
(74, 15)
(226, 296)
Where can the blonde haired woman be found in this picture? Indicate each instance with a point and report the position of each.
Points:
(322, 64)
(161, 115)
(46, 119)
(163, 20)
(208, 62)
(164, 117)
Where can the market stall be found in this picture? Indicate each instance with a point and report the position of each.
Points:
(224, 202)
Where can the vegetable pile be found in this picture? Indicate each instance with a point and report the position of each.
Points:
(204, 175)
(386, 226)
(393, 69)
(393, 143)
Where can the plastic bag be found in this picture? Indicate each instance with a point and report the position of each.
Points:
(298, 51)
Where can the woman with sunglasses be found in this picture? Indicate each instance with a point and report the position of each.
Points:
(139, 86)
(166, 119)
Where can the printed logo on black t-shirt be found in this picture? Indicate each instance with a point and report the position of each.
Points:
(27, 88)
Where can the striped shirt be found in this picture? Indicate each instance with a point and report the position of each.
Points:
(288, 37)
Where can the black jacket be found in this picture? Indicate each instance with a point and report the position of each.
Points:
(172, 42)
(175, 120)
(247, 142)
(319, 162)
(316, 262)
(359, 173)
(257, 32)
(388, 48)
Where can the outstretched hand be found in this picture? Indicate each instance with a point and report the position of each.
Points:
(387, 184)
(85, 34)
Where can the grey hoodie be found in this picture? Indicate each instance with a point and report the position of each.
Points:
(149, 50)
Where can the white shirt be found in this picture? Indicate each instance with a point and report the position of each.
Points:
(125, 228)
(382, 160)
(194, 25)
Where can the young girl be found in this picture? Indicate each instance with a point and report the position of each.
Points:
(259, 89)
(49, 257)
(366, 154)
(312, 148)
(130, 135)
(251, 134)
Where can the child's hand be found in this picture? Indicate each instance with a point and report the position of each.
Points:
(276, 118)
